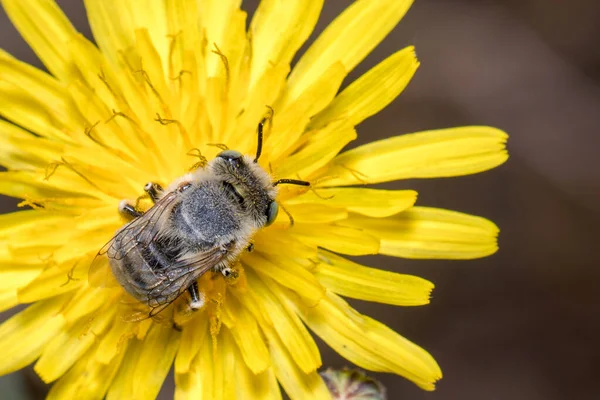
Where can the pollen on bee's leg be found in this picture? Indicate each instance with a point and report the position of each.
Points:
(198, 303)
(197, 298)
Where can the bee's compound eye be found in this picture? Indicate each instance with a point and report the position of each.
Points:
(230, 155)
(272, 211)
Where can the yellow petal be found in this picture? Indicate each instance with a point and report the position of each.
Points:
(46, 29)
(370, 344)
(348, 39)
(199, 382)
(440, 153)
(297, 384)
(115, 342)
(264, 92)
(111, 25)
(423, 232)
(281, 244)
(24, 336)
(66, 348)
(20, 221)
(278, 30)
(28, 185)
(135, 380)
(252, 386)
(215, 18)
(85, 302)
(320, 147)
(56, 279)
(88, 379)
(29, 112)
(248, 338)
(353, 280)
(310, 213)
(292, 116)
(224, 367)
(286, 272)
(373, 91)
(253, 304)
(151, 15)
(10, 282)
(341, 239)
(369, 202)
(288, 326)
(192, 337)
(22, 150)
(49, 93)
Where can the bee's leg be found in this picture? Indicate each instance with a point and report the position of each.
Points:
(250, 248)
(154, 190)
(128, 210)
(197, 301)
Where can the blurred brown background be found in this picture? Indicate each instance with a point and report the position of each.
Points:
(522, 324)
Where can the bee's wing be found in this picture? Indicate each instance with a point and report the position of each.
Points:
(138, 233)
(177, 279)
(180, 276)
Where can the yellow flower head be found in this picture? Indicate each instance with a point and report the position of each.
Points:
(168, 84)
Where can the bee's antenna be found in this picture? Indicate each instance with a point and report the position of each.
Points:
(291, 182)
(260, 140)
(261, 126)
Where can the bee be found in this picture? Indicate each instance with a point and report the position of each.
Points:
(202, 222)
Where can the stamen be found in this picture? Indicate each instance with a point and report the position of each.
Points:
(172, 42)
(136, 206)
(179, 75)
(356, 174)
(35, 204)
(182, 130)
(288, 214)
(85, 178)
(146, 77)
(218, 145)
(116, 113)
(102, 77)
(88, 132)
(225, 64)
(168, 121)
(51, 169)
(195, 152)
(143, 135)
(312, 189)
(70, 275)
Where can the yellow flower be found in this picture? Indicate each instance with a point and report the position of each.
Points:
(171, 76)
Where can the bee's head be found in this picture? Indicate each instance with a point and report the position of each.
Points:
(248, 184)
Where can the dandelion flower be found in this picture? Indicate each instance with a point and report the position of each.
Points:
(166, 81)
